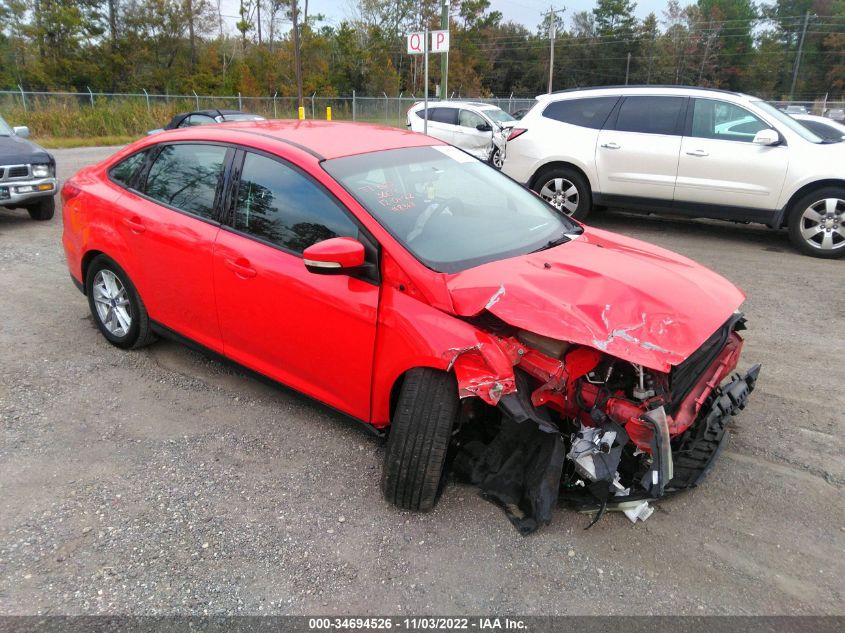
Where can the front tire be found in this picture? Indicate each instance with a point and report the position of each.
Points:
(42, 210)
(117, 308)
(565, 189)
(419, 439)
(496, 159)
(817, 223)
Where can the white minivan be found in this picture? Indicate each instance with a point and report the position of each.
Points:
(685, 151)
(478, 128)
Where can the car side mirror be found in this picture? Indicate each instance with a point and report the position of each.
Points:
(766, 137)
(335, 256)
(21, 130)
(484, 127)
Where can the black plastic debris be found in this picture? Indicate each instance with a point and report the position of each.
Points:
(519, 470)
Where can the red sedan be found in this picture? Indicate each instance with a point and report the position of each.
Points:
(413, 287)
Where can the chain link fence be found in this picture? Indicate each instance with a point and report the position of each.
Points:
(69, 114)
(89, 114)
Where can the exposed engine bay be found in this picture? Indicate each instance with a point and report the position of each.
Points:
(580, 427)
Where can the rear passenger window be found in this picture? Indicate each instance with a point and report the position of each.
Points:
(445, 115)
(650, 115)
(590, 113)
(125, 170)
(187, 177)
(278, 204)
(440, 115)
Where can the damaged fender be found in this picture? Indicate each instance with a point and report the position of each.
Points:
(413, 334)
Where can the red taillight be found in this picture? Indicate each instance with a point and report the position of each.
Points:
(516, 132)
(70, 191)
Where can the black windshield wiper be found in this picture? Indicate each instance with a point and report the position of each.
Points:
(561, 239)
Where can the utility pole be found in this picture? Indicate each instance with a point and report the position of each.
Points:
(297, 58)
(798, 56)
(189, 5)
(425, 92)
(258, 14)
(627, 68)
(552, 12)
(444, 57)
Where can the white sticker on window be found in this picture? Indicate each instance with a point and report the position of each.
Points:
(454, 153)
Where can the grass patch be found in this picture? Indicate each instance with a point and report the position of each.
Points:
(66, 142)
(63, 122)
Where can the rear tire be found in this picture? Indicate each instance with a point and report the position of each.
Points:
(817, 223)
(419, 439)
(42, 210)
(565, 189)
(116, 306)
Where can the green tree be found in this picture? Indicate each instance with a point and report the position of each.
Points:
(616, 33)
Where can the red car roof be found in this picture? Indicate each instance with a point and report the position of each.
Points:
(331, 139)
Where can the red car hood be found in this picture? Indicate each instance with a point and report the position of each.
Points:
(630, 299)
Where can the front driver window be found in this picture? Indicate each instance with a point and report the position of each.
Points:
(278, 204)
(724, 121)
(470, 119)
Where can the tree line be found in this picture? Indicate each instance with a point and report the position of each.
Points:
(278, 47)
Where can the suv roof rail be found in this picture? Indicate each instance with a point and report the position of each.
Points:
(616, 87)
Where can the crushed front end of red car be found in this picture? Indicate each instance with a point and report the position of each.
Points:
(605, 403)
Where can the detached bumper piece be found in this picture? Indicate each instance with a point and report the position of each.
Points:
(710, 433)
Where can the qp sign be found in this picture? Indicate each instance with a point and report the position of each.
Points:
(416, 42)
(440, 41)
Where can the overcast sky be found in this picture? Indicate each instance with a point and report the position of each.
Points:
(527, 12)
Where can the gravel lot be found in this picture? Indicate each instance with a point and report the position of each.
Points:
(159, 481)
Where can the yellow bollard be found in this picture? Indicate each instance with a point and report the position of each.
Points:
(328, 113)
(301, 113)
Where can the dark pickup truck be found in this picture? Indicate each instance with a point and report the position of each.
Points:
(27, 174)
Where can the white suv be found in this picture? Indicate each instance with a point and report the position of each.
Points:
(689, 151)
(478, 128)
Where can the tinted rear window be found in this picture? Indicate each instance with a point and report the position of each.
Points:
(650, 115)
(441, 115)
(590, 113)
(187, 177)
(126, 169)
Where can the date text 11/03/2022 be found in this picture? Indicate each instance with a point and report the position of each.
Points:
(419, 624)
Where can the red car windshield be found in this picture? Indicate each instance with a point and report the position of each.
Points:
(450, 210)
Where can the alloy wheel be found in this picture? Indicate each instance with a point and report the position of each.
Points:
(112, 303)
(561, 194)
(497, 159)
(822, 224)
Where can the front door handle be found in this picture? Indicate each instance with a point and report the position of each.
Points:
(698, 152)
(241, 267)
(134, 224)
(611, 145)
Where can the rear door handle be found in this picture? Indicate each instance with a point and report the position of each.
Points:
(134, 224)
(698, 152)
(611, 145)
(241, 267)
